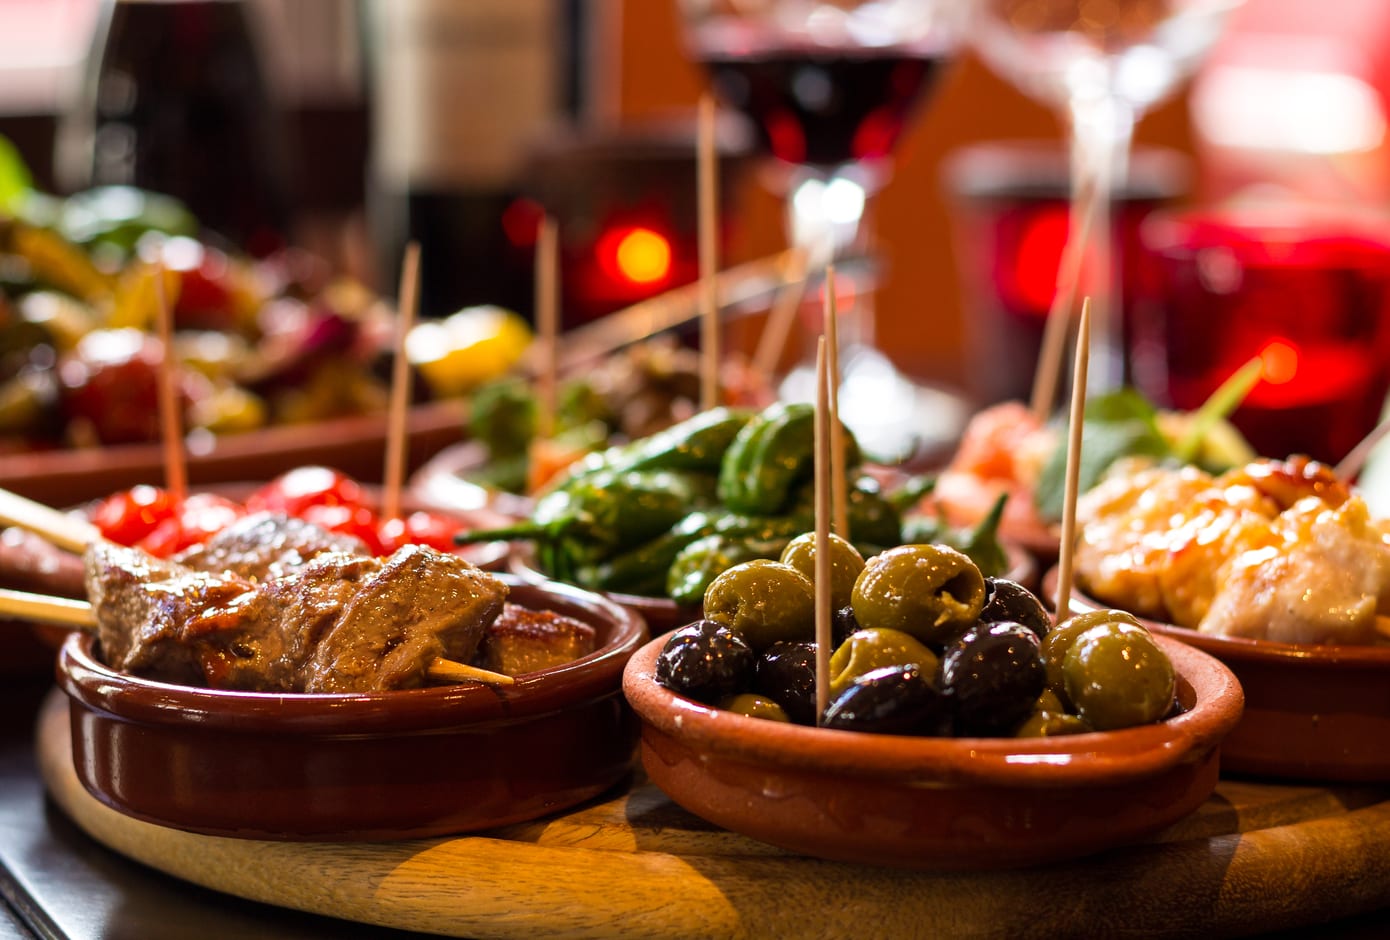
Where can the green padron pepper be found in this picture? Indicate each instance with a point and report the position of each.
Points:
(980, 543)
(603, 515)
(696, 444)
(643, 570)
(770, 455)
(874, 520)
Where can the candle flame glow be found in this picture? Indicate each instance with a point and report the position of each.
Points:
(1280, 359)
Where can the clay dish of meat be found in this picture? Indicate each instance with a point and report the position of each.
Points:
(936, 803)
(360, 766)
(1317, 713)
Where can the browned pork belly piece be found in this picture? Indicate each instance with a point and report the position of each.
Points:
(267, 545)
(523, 640)
(338, 623)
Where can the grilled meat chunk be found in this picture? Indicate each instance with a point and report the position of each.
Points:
(523, 640)
(267, 545)
(338, 623)
(422, 604)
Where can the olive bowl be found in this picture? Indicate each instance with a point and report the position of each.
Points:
(1315, 713)
(359, 767)
(936, 803)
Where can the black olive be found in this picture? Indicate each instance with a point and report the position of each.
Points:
(843, 625)
(705, 661)
(1009, 600)
(993, 675)
(786, 674)
(892, 700)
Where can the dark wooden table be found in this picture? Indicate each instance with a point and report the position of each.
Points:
(56, 882)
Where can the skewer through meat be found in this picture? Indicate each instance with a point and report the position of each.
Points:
(320, 619)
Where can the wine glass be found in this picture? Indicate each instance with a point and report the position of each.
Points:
(1103, 63)
(828, 86)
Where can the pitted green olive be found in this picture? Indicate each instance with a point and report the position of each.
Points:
(930, 591)
(763, 601)
(845, 564)
(868, 650)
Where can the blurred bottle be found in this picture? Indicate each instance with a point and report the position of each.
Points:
(175, 100)
(460, 91)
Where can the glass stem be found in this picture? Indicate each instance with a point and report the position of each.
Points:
(825, 218)
(1102, 129)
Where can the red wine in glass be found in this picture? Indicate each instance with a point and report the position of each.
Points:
(824, 107)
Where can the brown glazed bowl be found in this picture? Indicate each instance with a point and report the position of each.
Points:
(935, 803)
(376, 766)
(1318, 713)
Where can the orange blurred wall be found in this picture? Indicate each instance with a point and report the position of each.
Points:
(920, 307)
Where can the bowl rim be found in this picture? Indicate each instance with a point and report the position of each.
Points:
(95, 685)
(1243, 649)
(1092, 759)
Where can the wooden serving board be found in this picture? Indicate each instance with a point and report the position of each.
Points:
(1255, 857)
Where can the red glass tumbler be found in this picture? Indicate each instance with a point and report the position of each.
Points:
(1304, 290)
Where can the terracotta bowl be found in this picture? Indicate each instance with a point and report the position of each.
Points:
(377, 766)
(936, 803)
(663, 614)
(445, 482)
(1311, 712)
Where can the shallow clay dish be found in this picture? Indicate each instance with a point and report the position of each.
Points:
(446, 481)
(935, 803)
(1311, 712)
(376, 766)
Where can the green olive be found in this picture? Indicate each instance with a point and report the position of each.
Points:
(1042, 724)
(930, 591)
(868, 650)
(1061, 637)
(764, 602)
(1118, 677)
(1050, 719)
(754, 706)
(845, 564)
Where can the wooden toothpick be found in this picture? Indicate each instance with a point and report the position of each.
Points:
(839, 496)
(1085, 205)
(1078, 416)
(547, 326)
(822, 496)
(1350, 465)
(170, 416)
(393, 473)
(707, 191)
(778, 328)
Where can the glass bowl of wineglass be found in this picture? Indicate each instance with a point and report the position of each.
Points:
(829, 86)
(1103, 65)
